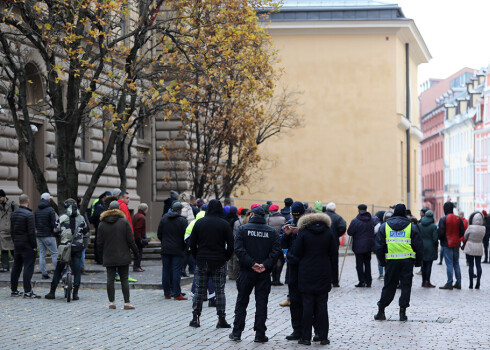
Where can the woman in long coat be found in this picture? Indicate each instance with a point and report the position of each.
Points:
(428, 232)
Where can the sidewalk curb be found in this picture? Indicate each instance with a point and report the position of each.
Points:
(101, 285)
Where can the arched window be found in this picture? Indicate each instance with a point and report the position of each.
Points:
(35, 89)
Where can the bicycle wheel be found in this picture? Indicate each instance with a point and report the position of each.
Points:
(69, 287)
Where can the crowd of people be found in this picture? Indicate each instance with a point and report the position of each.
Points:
(215, 241)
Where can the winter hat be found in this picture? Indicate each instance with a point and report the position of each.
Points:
(429, 213)
(424, 210)
(105, 194)
(297, 208)
(2, 193)
(116, 192)
(114, 205)
(305, 204)
(176, 206)
(448, 208)
(484, 212)
(46, 196)
(204, 207)
(258, 211)
(274, 207)
(233, 210)
(400, 210)
(226, 209)
(288, 201)
(265, 207)
(254, 205)
(331, 206)
(174, 194)
(240, 210)
(362, 207)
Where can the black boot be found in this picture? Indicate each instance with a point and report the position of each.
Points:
(380, 316)
(51, 294)
(212, 302)
(222, 322)
(403, 314)
(195, 320)
(75, 294)
(471, 283)
(477, 285)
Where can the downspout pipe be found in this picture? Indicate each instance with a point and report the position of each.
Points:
(407, 114)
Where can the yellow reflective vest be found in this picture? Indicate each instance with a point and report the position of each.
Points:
(399, 243)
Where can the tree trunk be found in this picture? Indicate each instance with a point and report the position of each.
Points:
(67, 180)
(121, 168)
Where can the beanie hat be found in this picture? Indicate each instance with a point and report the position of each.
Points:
(400, 210)
(484, 212)
(116, 192)
(45, 196)
(2, 193)
(429, 213)
(288, 201)
(226, 209)
(233, 210)
(204, 207)
(176, 206)
(240, 210)
(258, 211)
(254, 205)
(362, 207)
(114, 205)
(318, 206)
(174, 194)
(274, 207)
(297, 208)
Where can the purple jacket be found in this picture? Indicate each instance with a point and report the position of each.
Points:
(362, 231)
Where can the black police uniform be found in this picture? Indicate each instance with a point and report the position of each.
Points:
(259, 243)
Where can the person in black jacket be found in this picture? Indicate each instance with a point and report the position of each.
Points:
(398, 246)
(171, 232)
(486, 238)
(167, 203)
(45, 218)
(288, 237)
(257, 247)
(315, 246)
(286, 211)
(211, 245)
(362, 231)
(338, 227)
(98, 207)
(23, 232)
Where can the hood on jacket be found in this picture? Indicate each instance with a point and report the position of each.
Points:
(427, 220)
(476, 218)
(173, 214)
(310, 219)
(318, 206)
(109, 199)
(43, 204)
(398, 222)
(112, 215)
(364, 216)
(448, 208)
(400, 210)
(215, 208)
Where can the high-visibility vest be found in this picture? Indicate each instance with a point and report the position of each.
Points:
(93, 206)
(398, 243)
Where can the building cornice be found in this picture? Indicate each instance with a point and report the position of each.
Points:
(405, 29)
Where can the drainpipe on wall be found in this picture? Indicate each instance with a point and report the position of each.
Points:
(407, 114)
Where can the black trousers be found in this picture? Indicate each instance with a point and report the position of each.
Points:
(485, 248)
(5, 259)
(315, 312)
(397, 270)
(335, 269)
(277, 269)
(246, 282)
(137, 260)
(123, 275)
(363, 267)
(24, 257)
(296, 307)
(97, 257)
(426, 270)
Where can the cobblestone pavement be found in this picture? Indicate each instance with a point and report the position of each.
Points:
(438, 319)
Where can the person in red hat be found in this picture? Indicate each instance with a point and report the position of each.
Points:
(277, 221)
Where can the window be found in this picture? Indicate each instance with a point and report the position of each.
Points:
(35, 89)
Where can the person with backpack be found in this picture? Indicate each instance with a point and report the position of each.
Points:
(45, 219)
(73, 231)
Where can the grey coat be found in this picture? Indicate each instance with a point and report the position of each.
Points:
(6, 242)
(474, 236)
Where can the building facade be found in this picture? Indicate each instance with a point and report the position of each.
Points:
(356, 67)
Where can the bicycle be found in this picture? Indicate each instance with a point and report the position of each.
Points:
(67, 281)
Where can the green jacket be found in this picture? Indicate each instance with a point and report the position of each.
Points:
(428, 232)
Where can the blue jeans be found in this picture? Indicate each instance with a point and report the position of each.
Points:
(48, 243)
(451, 257)
(82, 262)
(172, 268)
(380, 268)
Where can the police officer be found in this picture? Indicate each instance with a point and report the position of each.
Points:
(257, 247)
(398, 246)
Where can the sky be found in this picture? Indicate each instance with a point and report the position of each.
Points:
(457, 34)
